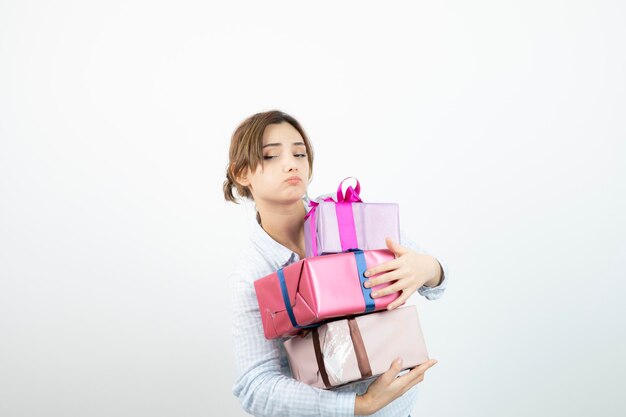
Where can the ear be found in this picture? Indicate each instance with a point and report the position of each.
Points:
(242, 180)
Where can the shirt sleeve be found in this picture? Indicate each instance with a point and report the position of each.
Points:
(431, 293)
(260, 385)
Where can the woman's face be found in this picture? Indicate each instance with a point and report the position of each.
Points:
(284, 175)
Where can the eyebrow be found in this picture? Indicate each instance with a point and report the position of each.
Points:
(280, 144)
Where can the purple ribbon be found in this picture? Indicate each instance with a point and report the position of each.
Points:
(345, 217)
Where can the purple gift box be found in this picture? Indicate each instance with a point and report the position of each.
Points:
(349, 223)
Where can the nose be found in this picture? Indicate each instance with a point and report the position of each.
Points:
(290, 164)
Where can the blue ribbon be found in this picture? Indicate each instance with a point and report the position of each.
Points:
(283, 289)
(367, 292)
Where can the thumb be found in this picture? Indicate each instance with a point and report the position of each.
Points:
(394, 247)
(392, 372)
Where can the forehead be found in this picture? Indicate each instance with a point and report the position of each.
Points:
(282, 133)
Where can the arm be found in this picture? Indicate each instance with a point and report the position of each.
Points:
(262, 389)
(431, 292)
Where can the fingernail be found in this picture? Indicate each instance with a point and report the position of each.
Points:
(367, 273)
(399, 361)
(367, 284)
(374, 294)
(390, 307)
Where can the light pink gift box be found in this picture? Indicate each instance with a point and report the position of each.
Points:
(333, 226)
(358, 348)
(316, 289)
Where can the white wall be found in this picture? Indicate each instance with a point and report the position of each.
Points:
(497, 125)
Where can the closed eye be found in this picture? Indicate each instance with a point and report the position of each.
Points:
(298, 155)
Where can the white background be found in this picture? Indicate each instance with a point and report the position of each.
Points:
(498, 126)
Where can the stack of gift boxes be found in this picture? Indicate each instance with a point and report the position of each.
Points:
(337, 332)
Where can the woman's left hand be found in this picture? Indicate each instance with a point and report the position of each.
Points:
(410, 271)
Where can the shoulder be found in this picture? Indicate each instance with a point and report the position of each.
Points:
(249, 264)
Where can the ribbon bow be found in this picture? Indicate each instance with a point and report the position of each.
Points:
(345, 219)
(351, 195)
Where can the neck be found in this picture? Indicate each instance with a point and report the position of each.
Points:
(284, 224)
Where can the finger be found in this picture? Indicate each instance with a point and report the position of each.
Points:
(395, 247)
(395, 287)
(381, 279)
(406, 387)
(401, 300)
(384, 267)
(421, 369)
(415, 376)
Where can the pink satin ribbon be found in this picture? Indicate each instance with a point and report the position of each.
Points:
(345, 217)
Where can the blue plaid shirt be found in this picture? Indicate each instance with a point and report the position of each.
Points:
(264, 383)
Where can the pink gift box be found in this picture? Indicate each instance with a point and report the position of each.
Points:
(348, 223)
(316, 289)
(357, 348)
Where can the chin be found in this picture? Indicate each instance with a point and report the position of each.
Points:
(294, 193)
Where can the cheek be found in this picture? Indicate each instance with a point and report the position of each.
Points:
(270, 179)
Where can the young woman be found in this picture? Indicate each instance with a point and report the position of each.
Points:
(271, 162)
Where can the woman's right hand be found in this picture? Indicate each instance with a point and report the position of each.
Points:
(388, 387)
